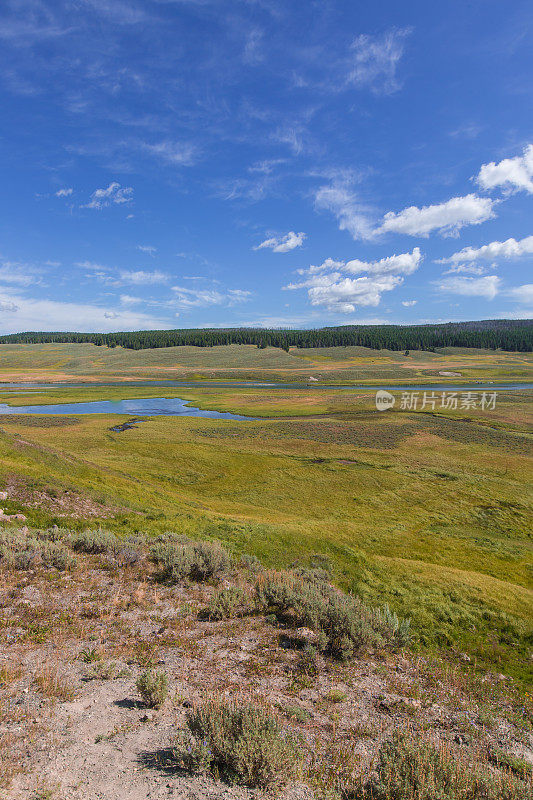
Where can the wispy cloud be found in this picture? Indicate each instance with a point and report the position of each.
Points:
(142, 277)
(340, 200)
(511, 174)
(374, 61)
(146, 248)
(64, 192)
(203, 298)
(181, 154)
(487, 287)
(282, 244)
(523, 294)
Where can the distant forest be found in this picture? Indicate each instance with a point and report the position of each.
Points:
(512, 335)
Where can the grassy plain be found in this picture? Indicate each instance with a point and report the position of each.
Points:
(428, 511)
(88, 362)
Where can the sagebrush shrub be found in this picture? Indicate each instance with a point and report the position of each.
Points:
(199, 561)
(94, 541)
(244, 742)
(53, 554)
(153, 688)
(410, 768)
(22, 550)
(225, 604)
(344, 624)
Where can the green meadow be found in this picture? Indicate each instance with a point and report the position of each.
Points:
(428, 511)
(247, 362)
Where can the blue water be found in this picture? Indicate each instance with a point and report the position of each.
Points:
(149, 407)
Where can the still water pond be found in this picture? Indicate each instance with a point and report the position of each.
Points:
(153, 406)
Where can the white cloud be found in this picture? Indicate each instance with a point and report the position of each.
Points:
(141, 277)
(523, 294)
(511, 174)
(409, 303)
(403, 264)
(447, 218)
(494, 251)
(283, 244)
(15, 272)
(64, 192)
(469, 269)
(374, 61)
(487, 287)
(178, 153)
(202, 298)
(114, 194)
(27, 314)
(351, 215)
(146, 248)
(130, 300)
(327, 285)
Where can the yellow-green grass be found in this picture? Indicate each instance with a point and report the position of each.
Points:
(331, 365)
(431, 513)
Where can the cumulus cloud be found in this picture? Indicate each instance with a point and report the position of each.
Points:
(140, 276)
(130, 300)
(203, 298)
(114, 194)
(283, 244)
(447, 218)
(403, 264)
(328, 285)
(511, 174)
(373, 61)
(64, 192)
(487, 287)
(409, 303)
(494, 251)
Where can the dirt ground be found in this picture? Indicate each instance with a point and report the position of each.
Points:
(73, 726)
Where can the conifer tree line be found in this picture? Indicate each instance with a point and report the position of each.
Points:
(511, 335)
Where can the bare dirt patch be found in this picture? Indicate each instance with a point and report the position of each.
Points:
(59, 502)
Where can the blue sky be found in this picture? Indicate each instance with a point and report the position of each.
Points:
(184, 163)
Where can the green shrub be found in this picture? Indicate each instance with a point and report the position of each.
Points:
(244, 743)
(250, 563)
(198, 561)
(413, 769)
(297, 713)
(225, 603)
(94, 541)
(336, 696)
(308, 662)
(56, 555)
(22, 550)
(344, 623)
(153, 688)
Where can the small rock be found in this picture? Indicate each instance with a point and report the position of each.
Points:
(147, 717)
